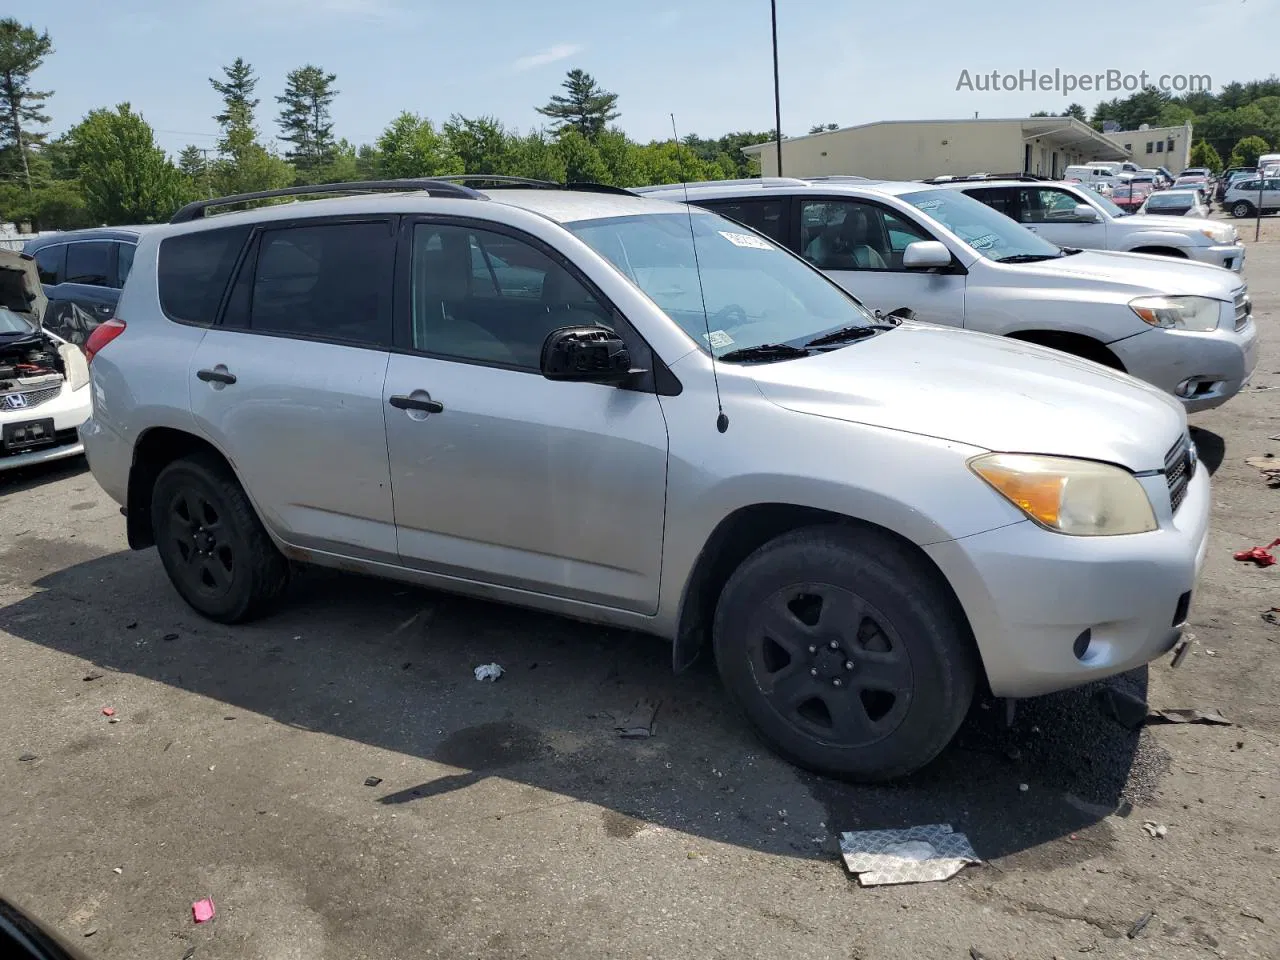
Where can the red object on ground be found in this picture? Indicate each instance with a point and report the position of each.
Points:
(1259, 555)
(110, 711)
(202, 910)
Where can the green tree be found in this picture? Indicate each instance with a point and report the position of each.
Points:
(305, 120)
(191, 162)
(1203, 155)
(586, 107)
(538, 156)
(411, 147)
(125, 177)
(481, 145)
(823, 128)
(22, 51)
(344, 167)
(251, 168)
(1247, 151)
(623, 159)
(54, 205)
(582, 161)
(238, 104)
(1174, 115)
(1077, 111)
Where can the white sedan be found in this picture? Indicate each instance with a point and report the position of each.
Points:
(44, 381)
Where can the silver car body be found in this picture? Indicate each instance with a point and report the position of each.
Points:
(595, 502)
(1087, 294)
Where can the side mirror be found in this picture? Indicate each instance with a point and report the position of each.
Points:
(1086, 214)
(585, 355)
(926, 255)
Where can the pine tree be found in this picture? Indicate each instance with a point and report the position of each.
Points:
(238, 105)
(304, 119)
(587, 108)
(22, 51)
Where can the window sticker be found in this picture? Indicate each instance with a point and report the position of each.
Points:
(718, 339)
(747, 240)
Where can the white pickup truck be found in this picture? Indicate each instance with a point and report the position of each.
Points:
(1074, 216)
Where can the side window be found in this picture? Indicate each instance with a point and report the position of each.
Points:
(52, 262)
(124, 263)
(193, 270)
(329, 281)
(89, 263)
(764, 216)
(852, 235)
(486, 297)
(1046, 206)
(1003, 199)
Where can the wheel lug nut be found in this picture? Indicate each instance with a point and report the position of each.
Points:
(834, 645)
(812, 648)
(813, 672)
(848, 664)
(837, 682)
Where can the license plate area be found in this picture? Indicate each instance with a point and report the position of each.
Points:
(28, 435)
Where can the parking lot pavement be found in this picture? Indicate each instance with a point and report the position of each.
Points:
(510, 819)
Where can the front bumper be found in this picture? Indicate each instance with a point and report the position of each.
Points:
(68, 410)
(1228, 255)
(1030, 594)
(1219, 363)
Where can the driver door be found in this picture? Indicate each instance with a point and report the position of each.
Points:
(1051, 212)
(860, 245)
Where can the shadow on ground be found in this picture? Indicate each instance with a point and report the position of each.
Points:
(391, 666)
(22, 479)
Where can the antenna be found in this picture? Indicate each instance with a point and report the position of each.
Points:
(722, 418)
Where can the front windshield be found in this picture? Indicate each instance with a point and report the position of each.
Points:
(11, 322)
(754, 292)
(1105, 203)
(991, 234)
(1158, 202)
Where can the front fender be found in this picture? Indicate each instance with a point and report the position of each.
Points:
(1157, 238)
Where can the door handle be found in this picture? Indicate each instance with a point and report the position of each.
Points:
(216, 376)
(412, 403)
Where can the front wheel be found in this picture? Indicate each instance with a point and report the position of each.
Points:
(1241, 209)
(845, 652)
(211, 542)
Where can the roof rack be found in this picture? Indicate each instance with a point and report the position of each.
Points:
(974, 177)
(431, 186)
(498, 181)
(742, 182)
(839, 177)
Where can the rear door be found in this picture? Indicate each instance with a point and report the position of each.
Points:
(289, 385)
(860, 244)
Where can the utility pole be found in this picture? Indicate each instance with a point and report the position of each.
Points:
(777, 98)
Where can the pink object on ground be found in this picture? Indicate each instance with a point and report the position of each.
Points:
(202, 910)
(108, 711)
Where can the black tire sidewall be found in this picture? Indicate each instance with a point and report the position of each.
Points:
(942, 659)
(183, 475)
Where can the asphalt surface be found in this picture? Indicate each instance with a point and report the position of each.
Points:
(510, 820)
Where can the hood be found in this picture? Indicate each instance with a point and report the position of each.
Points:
(1175, 223)
(984, 391)
(1140, 274)
(20, 287)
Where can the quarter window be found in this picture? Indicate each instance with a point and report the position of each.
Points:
(124, 263)
(487, 297)
(193, 270)
(89, 263)
(764, 216)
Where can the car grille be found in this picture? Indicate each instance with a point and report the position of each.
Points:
(33, 398)
(1244, 307)
(1179, 468)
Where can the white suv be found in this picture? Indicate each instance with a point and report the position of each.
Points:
(638, 414)
(1072, 216)
(950, 259)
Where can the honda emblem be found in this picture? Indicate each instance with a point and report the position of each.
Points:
(15, 401)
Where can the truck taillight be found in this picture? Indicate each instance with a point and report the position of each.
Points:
(103, 334)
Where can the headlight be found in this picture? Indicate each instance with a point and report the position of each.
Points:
(1082, 498)
(1178, 313)
(1220, 234)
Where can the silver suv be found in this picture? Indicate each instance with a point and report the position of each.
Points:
(1186, 327)
(643, 415)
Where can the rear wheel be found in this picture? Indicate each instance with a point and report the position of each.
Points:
(1241, 209)
(845, 653)
(211, 542)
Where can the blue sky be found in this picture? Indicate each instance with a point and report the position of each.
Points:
(706, 60)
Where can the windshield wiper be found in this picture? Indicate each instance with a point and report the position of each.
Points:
(846, 334)
(1027, 257)
(1071, 251)
(764, 352)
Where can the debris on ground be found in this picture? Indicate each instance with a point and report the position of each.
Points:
(1188, 715)
(1024, 787)
(1180, 653)
(188, 953)
(117, 870)
(1269, 467)
(1262, 556)
(1121, 706)
(1272, 616)
(1156, 831)
(637, 724)
(90, 677)
(489, 671)
(918, 854)
(108, 711)
(169, 637)
(976, 954)
(27, 758)
(90, 931)
(202, 910)
(372, 781)
(1252, 916)
(1140, 924)
(131, 625)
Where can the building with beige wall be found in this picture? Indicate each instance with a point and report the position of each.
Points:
(1168, 147)
(916, 149)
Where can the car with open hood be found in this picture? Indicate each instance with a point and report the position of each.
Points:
(1184, 326)
(44, 381)
(642, 414)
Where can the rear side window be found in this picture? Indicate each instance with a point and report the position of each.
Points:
(193, 271)
(124, 263)
(764, 216)
(89, 263)
(52, 263)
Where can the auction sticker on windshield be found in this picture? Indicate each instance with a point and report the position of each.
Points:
(746, 240)
(717, 339)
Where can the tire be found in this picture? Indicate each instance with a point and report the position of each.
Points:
(1241, 209)
(211, 542)
(899, 681)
